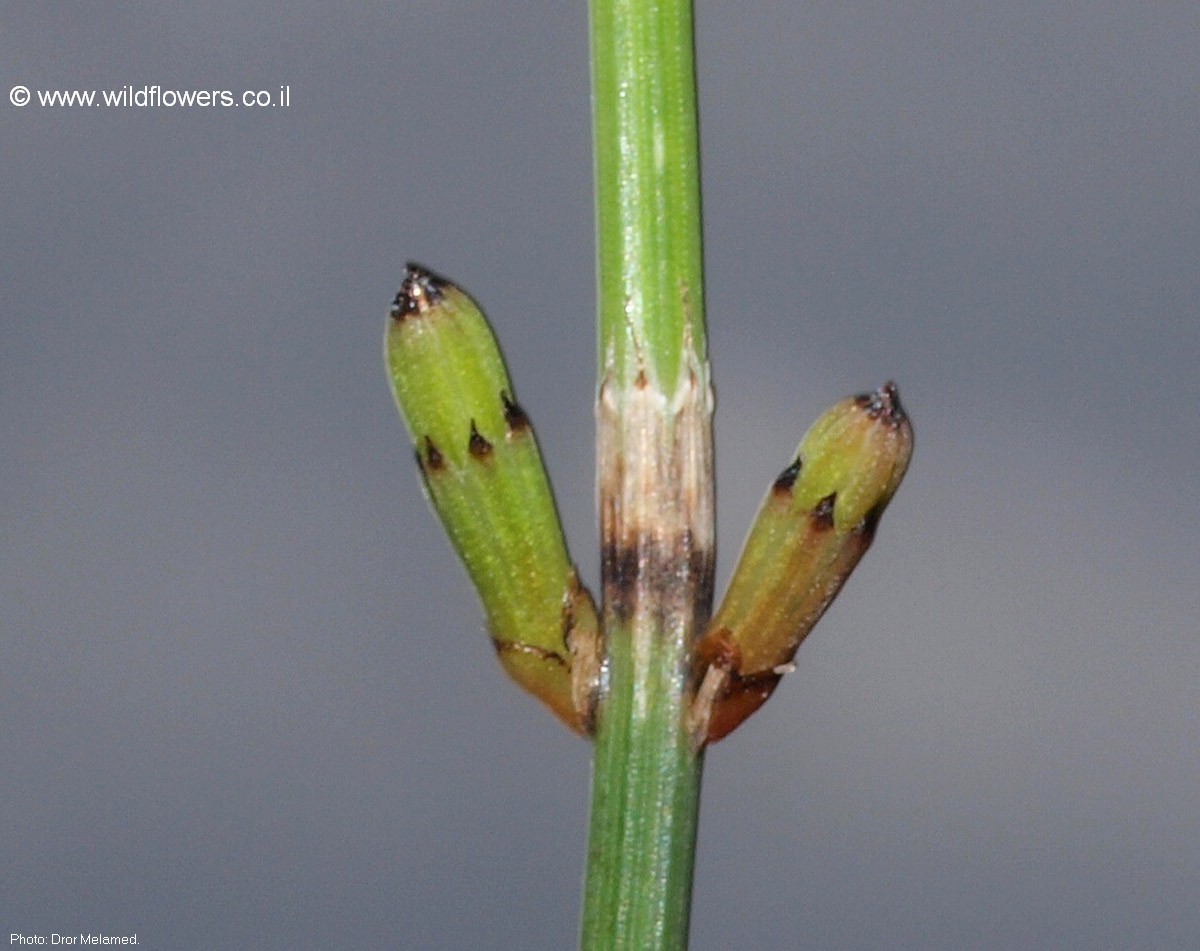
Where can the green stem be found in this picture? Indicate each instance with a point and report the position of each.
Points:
(647, 160)
(654, 460)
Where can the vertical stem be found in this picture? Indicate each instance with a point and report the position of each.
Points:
(647, 168)
(654, 465)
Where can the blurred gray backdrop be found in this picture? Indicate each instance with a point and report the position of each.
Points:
(245, 695)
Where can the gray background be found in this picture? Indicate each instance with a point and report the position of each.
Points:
(244, 693)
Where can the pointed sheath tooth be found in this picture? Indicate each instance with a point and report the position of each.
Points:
(479, 460)
(817, 521)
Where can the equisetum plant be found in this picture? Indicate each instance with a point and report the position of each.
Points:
(479, 461)
(655, 676)
(482, 471)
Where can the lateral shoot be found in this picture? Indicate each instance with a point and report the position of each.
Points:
(483, 474)
(817, 521)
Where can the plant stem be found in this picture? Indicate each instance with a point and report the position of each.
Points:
(654, 463)
(647, 162)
